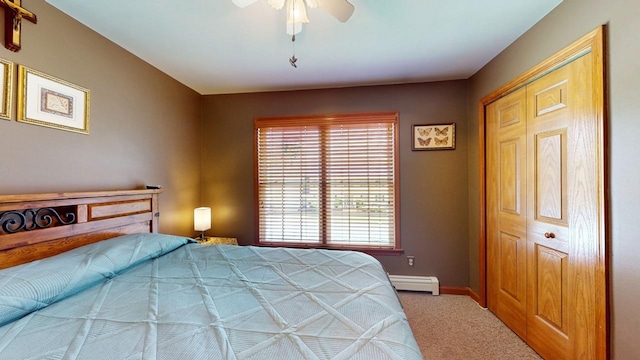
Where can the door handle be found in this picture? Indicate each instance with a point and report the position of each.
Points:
(550, 235)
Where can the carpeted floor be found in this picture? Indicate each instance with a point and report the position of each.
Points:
(456, 327)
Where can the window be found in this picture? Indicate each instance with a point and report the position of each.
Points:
(328, 181)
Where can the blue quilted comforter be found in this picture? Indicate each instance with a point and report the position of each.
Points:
(151, 296)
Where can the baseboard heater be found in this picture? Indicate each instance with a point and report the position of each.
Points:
(416, 283)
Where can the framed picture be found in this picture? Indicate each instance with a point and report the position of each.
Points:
(434, 137)
(47, 101)
(6, 80)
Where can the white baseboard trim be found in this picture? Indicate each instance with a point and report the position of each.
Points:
(416, 283)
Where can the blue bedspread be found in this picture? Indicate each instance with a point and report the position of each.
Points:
(203, 302)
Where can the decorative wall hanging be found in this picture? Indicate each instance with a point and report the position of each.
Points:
(13, 16)
(6, 82)
(47, 101)
(434, 137)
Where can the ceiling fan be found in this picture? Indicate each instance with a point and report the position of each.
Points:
(297, 14)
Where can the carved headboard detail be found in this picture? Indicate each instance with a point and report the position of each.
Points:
(35, 226)
(30, 219)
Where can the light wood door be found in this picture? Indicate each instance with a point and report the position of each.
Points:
(542, 211)
(551, 103)
(561, 185)
(507, 210)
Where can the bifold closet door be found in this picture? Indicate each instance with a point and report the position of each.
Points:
(542, 210)
(562, 186)
(506, 210)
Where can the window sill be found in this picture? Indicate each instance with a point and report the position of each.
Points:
(370, 251)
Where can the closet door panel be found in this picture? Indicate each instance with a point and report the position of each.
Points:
(507, 223)
(551, 177)
(555, 103)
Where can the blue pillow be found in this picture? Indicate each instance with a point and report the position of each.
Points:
(35, 285)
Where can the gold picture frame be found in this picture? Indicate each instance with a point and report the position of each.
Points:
(48, 101)
(6, 79)
(434, 137)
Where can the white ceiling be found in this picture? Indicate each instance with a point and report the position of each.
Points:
(214, 47)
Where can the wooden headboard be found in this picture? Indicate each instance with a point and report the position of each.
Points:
(35, 226)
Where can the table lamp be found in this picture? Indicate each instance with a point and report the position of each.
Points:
(202, 220)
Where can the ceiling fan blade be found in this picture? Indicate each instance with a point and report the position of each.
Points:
(340, 9)
(312, 3)
(277, 4)
(243, 3)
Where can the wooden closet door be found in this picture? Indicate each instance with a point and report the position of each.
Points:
(548, 248)
(542, 211)
(545, 183)
(559, 125)
(507, 210)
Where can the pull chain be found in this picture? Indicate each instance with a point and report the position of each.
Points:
(293, 59)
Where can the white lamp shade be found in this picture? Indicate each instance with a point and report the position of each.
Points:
(312, 3)
(202, 218)
(296, 12)
(277, 4)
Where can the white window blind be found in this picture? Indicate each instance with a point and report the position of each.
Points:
(327, 181)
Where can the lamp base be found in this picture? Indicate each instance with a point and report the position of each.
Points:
(201, 238)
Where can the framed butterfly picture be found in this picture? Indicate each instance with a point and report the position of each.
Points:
(434, 137)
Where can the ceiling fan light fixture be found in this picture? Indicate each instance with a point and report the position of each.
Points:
(296, 12)
(293, 29)
(277, 4)
(296, 16)
(312, 3)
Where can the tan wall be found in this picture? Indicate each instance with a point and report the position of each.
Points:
(143, 127)
(568, 22)
(433, 184)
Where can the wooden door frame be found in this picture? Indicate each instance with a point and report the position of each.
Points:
(593, 42)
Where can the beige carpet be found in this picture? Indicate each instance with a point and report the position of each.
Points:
(455, 327)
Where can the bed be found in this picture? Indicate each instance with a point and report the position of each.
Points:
(87, 276)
